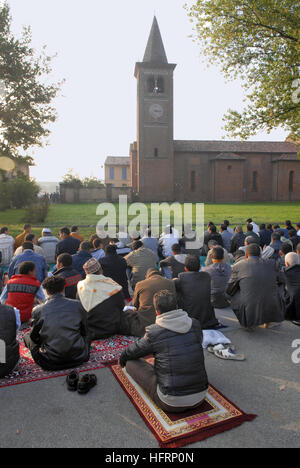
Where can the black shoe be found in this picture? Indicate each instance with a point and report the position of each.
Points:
(296, 322)
(86, 383)
(72, 381)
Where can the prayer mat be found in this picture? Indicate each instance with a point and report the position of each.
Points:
(217, 414)
(103, 354)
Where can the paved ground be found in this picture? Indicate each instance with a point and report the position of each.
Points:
(45, 414)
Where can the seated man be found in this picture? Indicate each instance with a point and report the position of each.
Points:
(82, 257)
(75, 233)
(36, 248)
(178, 380)
(238, 239)
(291, 277)
(175, 263)
(23, 290)
(58, 338)
(64, 268)
(251, 233)
(48, 242)
(211, 245)
(194, 293)
(150, 242)
(20, 239)
(272, 250)
(28, 255)
(213, 235)
(9, 346)
(140, 260)
(168, 238)
(114, 266)
(226, 236)
(7, 244)
(249, 240)
(253, 289)
(220, 273)
(67, 244)
(144, 315)
(98, 251)
(102, 302)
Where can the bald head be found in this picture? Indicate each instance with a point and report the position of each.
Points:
(292, 259)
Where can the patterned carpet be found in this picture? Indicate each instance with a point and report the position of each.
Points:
(103, 354)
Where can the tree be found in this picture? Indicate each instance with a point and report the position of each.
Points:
(258, 41)
(25, 98)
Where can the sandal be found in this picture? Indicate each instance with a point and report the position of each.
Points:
(229, 355)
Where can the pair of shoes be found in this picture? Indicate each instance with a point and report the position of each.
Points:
(81, 384)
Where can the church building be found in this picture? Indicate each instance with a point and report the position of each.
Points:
(160, 168)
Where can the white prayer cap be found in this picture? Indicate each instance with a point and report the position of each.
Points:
(46, 231)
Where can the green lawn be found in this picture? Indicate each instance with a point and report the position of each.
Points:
(85, 215)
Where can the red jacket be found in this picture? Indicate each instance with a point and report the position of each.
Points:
(21, 290)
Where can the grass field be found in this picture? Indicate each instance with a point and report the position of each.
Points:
(85, 216)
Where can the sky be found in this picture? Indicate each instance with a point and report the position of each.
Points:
(97, 43)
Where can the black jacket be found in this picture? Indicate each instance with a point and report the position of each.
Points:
(69, 245)
(179, 360)
(265, 237)
(107, 319)
(194, 296)
(292, 282)
(72, 277)
(237, 241)
(60, 331)
(115, 267)
(8, 332)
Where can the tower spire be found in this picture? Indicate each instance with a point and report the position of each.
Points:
(155, 51)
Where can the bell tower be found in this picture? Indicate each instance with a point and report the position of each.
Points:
(155, 133)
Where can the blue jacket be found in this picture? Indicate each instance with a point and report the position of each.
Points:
(79, 260)
(29, 256)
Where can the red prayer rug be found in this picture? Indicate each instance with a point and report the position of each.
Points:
(216, 415)
(103, 354)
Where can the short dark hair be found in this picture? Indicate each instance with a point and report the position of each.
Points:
(249, 227)
(226, 222)
(26, 226)
(74, 228)
(288, 223)
(270, 227)
(26, 267)
(165, 301)
(65, 230)
(97, 243)
(65, 259)
(249, 220)
(262, 226)
(224, 227)
(192, 263)
(213, 229)
(276, 235)
(54, 284)
(28, 246)
(29, 237)
(137, 245)
(298, 225)
(86, 246)
(238, 254)
(250, 240)
(3, 229)
(253, 250)
(176, 249)
(110, 249)
(286, 248)
(292, 232)
(218, 253)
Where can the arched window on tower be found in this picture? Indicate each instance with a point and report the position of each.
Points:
(254, 181)
(291, 181)
(155, 85)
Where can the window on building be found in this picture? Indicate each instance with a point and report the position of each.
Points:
(291, 181)
(254, 181)
(156, 152)
(156, 85)
(193, 181)
(124, 173)
(111, 173)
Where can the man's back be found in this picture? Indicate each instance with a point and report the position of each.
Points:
(48, 245)
(194, 290)
(6, 249)
(140, 261)
(72, 278)
(29, 256)
(114, 266)
(226, 236)
(69, 245)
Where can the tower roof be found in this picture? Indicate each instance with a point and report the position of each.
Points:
(155, 51)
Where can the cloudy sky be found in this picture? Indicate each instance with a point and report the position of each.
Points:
(98, 43)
